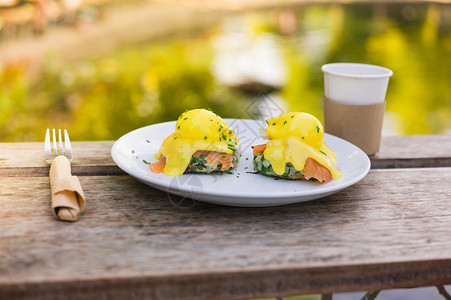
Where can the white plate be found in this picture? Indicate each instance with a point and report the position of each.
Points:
(242, 188)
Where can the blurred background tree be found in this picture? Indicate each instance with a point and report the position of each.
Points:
(224, 64)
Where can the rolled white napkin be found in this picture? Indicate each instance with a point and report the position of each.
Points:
(68, 199)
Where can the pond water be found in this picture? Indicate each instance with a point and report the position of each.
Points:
(275, 54)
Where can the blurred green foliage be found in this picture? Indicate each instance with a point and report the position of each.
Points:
(108, 97)
(139, 85)
(417, 50)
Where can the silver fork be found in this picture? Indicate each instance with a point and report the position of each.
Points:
(68, 199)
(55, 149)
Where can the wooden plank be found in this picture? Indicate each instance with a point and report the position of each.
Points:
(94, 158)
(390, 230)
(413, 151)
(27, 159)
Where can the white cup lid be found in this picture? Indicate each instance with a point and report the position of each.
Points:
(354, 70)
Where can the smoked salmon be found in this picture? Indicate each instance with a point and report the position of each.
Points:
(226, 160)
(312, 168)
(158, 166)
(202, 162)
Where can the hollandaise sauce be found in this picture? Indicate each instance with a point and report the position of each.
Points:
(202, 142)
(296, 149)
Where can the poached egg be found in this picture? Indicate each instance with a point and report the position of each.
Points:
(295, 137)
(195, 130)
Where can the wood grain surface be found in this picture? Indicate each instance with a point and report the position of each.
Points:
(390, 230)
(94, 158)
(413, 151)
(27, 159)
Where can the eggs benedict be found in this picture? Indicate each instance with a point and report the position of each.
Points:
(296, 150)
(201, 143)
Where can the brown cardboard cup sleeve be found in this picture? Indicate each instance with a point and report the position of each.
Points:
(359, 124)
(68, 199)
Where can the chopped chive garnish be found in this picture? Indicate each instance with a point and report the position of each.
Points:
(146, 162)
(231, 147)
(185, 118)
(292, 116)
(274, 123)
(205, 137)
(285, 122)
(148, 141)
(318, 129)
(323, 152)
(133, 151)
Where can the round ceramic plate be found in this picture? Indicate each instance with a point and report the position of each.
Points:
(135, 149)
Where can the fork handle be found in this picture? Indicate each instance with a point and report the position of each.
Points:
(68, 199)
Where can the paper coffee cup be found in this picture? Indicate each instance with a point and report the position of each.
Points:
(354, 103)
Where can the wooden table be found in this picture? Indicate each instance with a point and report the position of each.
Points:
(390, 230)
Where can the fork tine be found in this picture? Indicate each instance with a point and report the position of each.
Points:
(60, 143)
(47, 145)
(54, 149)
(67, 145)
